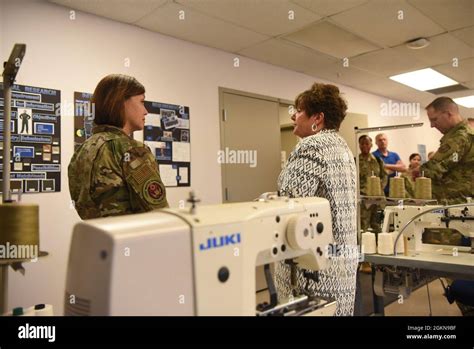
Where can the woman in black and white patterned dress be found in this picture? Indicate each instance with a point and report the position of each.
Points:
(322, 165)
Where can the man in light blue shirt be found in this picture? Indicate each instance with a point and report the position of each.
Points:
(392, 162)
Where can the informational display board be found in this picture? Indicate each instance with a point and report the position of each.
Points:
(83, 117)
(167, 133)
(35, 139)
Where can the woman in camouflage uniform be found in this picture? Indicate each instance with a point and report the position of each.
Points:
(112, 174)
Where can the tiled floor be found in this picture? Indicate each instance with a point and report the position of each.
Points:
(417, 304)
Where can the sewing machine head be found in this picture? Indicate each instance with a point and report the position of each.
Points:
(191, 262)
(437, 230)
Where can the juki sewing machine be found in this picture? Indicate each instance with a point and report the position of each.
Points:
(197, 261)
(424, 259)
(428, 218)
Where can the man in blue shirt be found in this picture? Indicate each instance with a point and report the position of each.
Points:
(392, 162)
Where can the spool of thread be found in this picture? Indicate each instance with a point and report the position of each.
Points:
(397, 187)
(385, 244)
(19, 311)
(373, 186)
(43, 310)
(20, 225)
(423, 188)
(368, 243)
(400, 242)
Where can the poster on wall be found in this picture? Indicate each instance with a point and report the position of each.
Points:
(83, 117)
(167, 133)
(35, 139)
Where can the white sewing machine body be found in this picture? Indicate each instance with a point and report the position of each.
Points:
(178, 262)
(398, 216)
(400, 274)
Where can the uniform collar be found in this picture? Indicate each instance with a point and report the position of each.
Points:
(454, 130)
(369, 157)
(108, 128)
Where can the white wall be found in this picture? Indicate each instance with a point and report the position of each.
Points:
(73, 55)
(2, 24)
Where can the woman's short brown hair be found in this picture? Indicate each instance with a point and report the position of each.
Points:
(109, 97)
(323, 98)
(412, 156)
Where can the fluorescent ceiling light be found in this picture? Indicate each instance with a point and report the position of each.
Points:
(424, 79)
(467, 101)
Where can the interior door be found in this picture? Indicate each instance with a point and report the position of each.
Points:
(250, 146)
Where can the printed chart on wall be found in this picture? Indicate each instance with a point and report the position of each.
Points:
(35, 139)
(167, 133)
(83, 117)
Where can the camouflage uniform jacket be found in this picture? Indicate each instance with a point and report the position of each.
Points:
(366, 167)
(452, 167)
(112, 174)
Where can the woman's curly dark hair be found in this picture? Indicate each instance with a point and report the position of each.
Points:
(323, 98)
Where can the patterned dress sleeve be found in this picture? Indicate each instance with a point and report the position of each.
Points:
(301, 176)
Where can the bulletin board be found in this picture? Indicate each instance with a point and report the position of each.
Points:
(167, 133)
(35, 139)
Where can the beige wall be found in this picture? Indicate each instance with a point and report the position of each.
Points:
(73, 55)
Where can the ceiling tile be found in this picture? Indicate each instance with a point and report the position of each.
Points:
(451, 14)
(199, 28)
(387, 62)
(462, 73)
(424, 98)
(463, 93)
(469, 84)
(268, 17)
(349, 76)
(285, 54)
(328, 7)
(128, 11)
(379, 22)
(386, 87)
(442, 49)
(466, 35)
(330, 39)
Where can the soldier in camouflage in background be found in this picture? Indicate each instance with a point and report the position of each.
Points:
(111, 173)
(368, 165)
(451, 168)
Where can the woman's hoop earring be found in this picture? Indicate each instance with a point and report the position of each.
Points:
(314, 128)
